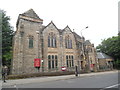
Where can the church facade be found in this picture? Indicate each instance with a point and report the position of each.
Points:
(54, 47)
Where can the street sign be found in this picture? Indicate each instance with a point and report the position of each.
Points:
(37, 62)
(63, 68)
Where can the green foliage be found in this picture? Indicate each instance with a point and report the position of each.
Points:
(117, 63)
(119, 33)
(111, 46)
(7, 34)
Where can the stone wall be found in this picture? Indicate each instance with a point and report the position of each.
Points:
(30, 25)
(23, 56)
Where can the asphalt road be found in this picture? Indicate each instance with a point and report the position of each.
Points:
(103, 81)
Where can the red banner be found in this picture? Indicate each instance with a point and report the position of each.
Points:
(92, 65)
(37, 62)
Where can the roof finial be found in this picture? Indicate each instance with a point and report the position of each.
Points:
(73, 30)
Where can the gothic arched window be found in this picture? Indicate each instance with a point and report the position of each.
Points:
(30, 41)
(52, 40)
(52, 61)
(49, 41)
(49, 62)
(69, 60)
(68, 42)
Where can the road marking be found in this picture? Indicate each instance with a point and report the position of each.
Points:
(110, 86)
(113, 86)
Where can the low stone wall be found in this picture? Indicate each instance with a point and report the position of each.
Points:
(40, 74)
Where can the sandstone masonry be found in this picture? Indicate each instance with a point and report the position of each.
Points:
(55, 47)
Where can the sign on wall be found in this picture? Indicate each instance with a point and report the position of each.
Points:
(37, 62)
(92, 65)
(63, 68)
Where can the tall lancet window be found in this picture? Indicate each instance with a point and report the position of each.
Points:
(31, 42)
(49, 41)
(52, 40)
(68, 42)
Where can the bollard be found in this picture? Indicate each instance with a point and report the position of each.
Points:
(76, 71)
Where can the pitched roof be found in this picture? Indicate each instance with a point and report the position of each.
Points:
(87, 42)
(76, 35)
(101, 55)
(52, 24)
(31, 13)
(66, 28)
(60, 31)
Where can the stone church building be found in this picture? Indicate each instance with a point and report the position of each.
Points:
(55, 47)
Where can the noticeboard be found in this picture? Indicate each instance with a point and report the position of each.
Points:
(37, 62)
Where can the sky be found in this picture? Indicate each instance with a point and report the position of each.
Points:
(101, 16)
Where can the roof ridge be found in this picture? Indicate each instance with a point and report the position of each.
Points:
(31, 13)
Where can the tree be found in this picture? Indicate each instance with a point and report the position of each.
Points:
(7, 34)
(118, 33)
(111, 47)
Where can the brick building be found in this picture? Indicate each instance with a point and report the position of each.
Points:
(55, 47)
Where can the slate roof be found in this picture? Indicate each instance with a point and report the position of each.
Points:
(87, 42)
(101, 55)
(67, 27)
(60, 30)
(31, 13)
(76, 35)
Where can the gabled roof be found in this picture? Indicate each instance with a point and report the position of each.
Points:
(76, 35)
(101, 55)
(52, 24)
(66, 28)
(60, 31)
(31, 13)
(87, 42)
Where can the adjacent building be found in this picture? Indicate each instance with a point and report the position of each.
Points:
(105, 62)
(55, 47)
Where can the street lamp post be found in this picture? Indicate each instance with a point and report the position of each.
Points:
(38, 42)
(76, 67)
(42, 65)
(88, 59)
(82, 42)
(37, 32)
(82, 39)
(82, 30)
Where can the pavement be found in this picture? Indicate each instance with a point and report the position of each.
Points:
(51, 78)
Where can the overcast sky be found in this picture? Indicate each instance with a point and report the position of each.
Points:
(101, 16)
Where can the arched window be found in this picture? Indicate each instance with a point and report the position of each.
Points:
(30, 41)
(69, 60)
(49, 62)
(56, 61)
(72, 61)
(52, 61)
(68, 42)
(48, 41)
(52, 40)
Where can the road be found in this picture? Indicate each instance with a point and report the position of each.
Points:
(97, 81)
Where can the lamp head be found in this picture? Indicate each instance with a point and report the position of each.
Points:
(87, 27)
